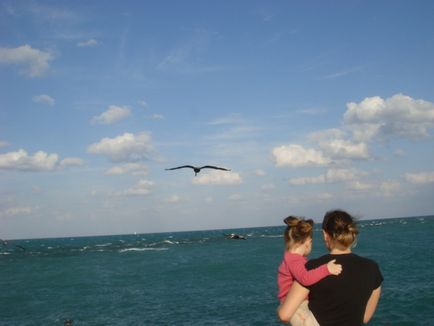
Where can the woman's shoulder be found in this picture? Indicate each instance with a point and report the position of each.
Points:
(365, 260)
(316, 262)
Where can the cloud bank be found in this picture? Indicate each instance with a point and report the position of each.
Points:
(374, 118)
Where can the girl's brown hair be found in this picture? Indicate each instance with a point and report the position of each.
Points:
(341, 227)
(297, 230)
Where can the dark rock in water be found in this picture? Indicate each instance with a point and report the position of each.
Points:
(235, 236)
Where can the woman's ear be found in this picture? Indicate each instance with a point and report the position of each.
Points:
(326, 239)
(325, 235)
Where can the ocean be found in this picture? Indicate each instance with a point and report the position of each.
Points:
(198, 278)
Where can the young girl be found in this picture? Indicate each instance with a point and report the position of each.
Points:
(298, 242)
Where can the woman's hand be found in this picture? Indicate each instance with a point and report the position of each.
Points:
(295, 297)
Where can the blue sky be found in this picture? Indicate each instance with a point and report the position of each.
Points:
(313, 105)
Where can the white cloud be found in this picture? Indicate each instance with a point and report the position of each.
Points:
(325, 196)
(333, 144)
(268, 186)
(142, 103)
(44, 99)
(15, 211)
(235, 197)
(312, 111)
(331, 176)
(185, 57)
(218, 178)
(358, 185)
(420, 178)
(232, 119)
(388, 188)
(342, 175)
(36, 61)
(133, 168)
(48, 13)
(307, 180)
(296, 156)
(399, 115)
(339, 148)
(156, 116)
(71, 161)
(87, 43)
(40, 161)
(175, 58)
(21, 160)
(344, 72)
(112, 115)
(399, 152)
(174, 199)
(260, 172)
(125, 148)
(142, 188)
(237, 132)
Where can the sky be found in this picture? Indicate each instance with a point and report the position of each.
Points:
(312, 105)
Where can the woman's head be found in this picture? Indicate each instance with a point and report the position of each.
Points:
(340, 228)
(297, 231)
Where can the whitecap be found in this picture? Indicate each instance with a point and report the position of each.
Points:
(170, 242)
(104, 244)
(84, 248)
(141, 249)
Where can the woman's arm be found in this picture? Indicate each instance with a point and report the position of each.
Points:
(372, 305)
(295, 297)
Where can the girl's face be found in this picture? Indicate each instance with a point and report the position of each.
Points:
(307, 246)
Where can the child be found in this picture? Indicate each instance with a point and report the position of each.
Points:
(298, 242)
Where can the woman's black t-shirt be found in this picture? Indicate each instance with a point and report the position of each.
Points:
(341, 300)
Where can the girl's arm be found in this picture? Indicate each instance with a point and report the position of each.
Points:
(302, 275)
(372, 304)
(295, 297)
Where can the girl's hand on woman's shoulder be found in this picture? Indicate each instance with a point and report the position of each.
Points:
(334, 269)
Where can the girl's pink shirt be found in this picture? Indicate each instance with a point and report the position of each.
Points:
(293, 268)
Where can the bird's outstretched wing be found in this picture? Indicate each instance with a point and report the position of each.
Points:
(183, 166)
(214, 167)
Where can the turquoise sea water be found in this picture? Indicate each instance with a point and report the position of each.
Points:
(197, 278)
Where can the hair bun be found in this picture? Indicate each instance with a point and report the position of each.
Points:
(291, 221)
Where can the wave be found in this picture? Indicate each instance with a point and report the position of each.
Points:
(142, 249)
(170, 242)
(104, 244)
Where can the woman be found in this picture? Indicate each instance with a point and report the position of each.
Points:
(348, 299)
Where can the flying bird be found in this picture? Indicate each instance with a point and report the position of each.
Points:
(197, 169)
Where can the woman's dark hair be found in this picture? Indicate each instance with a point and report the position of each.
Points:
(341, 227)
(297, 230)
